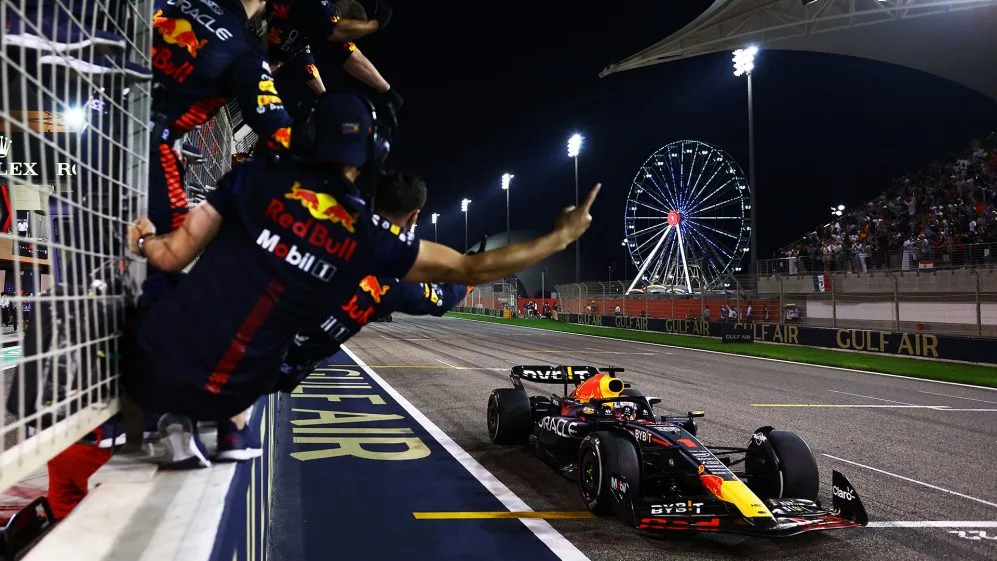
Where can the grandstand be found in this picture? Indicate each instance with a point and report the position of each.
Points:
(942, 216)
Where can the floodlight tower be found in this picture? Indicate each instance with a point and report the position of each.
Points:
(464, 206)
(575, 148)
(744, 63)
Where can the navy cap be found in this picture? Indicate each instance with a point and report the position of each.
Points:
(343, 127)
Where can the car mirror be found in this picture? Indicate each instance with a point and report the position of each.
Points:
(654, 400)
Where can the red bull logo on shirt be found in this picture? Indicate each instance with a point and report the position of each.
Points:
(323, 206)
(372, 286)
(313, 231)
(178, 31)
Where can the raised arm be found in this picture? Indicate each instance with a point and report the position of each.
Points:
(442, 264)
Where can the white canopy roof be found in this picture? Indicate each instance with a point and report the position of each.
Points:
(954, 39)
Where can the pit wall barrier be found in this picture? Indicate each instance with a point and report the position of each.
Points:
(244, 529)
(920, 345)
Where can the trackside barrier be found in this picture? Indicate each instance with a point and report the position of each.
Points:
(244, 530)
(921, 345)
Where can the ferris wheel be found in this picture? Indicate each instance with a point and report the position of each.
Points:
(687, 218)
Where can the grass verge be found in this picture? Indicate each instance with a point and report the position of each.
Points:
(917, 368)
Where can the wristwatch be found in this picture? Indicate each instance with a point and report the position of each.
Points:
(141, 243)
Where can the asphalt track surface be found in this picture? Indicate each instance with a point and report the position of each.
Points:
(927, 433)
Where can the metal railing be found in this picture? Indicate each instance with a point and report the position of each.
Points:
(954, 302)
(972, 256)
(609, 298)
(494, 296)
(74, 171)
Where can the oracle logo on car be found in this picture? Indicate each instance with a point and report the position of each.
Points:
(560, 426)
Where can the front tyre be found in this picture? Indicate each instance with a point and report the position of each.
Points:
(509, 416)
(780, 464)
(602, 457)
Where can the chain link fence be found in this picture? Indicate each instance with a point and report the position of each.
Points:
(610, 298)
(74, 134)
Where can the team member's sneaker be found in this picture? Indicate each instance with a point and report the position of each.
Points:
(57, 34)
(108, 435)
(237, 444)
(183, 445)
(191, 153)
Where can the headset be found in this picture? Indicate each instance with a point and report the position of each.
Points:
(383, 130)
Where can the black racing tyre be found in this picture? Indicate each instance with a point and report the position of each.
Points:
(509, 416)
(781, 465)
(600, 455)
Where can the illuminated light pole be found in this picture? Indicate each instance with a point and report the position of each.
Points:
(837, 210)
(575, 148)
(744, 63)
(435, 216)
(464, 205)
(506, 181)
(625, 259)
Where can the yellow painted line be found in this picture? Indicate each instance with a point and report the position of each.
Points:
(481, 515)
(392, 366)
(844, 406)
(434, 366)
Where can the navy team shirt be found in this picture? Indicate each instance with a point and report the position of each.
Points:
(203, 56)
(375, 297)
(293, 247)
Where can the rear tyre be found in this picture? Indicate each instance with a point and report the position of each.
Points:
(601, 455)
(780, 464)
(509, 416)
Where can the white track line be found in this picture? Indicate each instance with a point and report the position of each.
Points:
(447, 363)
(928, 485)
(870, 397)
(959, 397)
(739, 356)
(550, 537)
(935, 524)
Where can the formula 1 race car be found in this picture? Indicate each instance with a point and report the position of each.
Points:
(654, 472)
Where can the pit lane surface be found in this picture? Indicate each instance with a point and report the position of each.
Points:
(447, 367)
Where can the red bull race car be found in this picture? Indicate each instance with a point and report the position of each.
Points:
(654, 472)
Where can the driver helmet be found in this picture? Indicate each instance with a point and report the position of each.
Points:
(625, 411)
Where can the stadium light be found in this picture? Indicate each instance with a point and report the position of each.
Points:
(575, 145)
(744, 63)
(837, 210)
(506, 182)
(464, 206)
(75, 119)
(841, 207)
(435, 217)
(744, 60)
(575, 148)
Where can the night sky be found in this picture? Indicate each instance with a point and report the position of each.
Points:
(492, 87)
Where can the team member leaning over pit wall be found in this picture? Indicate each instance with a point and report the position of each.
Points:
(282, 243)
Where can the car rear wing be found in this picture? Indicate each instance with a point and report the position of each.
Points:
(558, 374)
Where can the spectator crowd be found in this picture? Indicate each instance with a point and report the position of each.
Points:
(941, 216)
